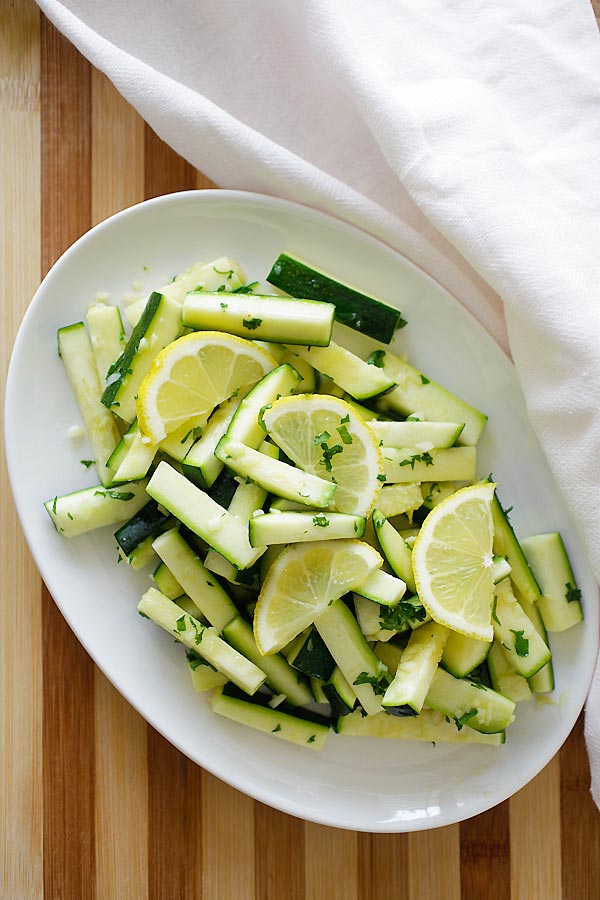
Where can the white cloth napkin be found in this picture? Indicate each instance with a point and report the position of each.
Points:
(465, 134)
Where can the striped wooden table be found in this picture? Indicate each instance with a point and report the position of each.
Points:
(93, 802)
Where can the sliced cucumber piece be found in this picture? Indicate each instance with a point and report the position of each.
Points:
(196, 637)
(138, 458)
(345, 641)
(524, 647)
(204, 677)
(146, 523)
(384, 589)
(281, 678)
(186, 568)
(417, 668)
(543, 680)
(297, 527)
(396, 499)
(500, 569)
(308, 384)
(367, 616)
(222, 531)
(349, 371)
(316, 687)
(428, 726)
(410, 465)
(462, 654)
(504, 678)
(159, 325)
(95, 507)
(166, 582)
(559, 604)
(469, 703)
(506, 544)
(307, 732)
(76, 353)
(339, 694)
(434, 492)
(395, 549)
(311, 656)
(388, 653)
(421, 435)
(246, 425)
(200, 464)
(216, 563)
(107, 336)
(141, 556)
(416, 393)
(275, 476)
(262, 317)
(352, 307)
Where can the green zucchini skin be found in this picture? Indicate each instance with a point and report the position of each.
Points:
(148, 522)
(122, 364)
(359, 311)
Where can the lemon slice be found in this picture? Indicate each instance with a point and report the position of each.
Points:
(192, 375)
(452, 562)
(325, 436)
(302, 582)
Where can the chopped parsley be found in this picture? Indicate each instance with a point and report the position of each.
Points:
(402, 323)
(521, 643)
(261, 414)
(227, 272)
(54, 504)
(429, 497)
(246, 288)
(424, 380)
(462, 720)
(373, 680)
(311, 739)
(319, 438)
(87, 462)
(344, 434)
(181, 623)
(69, 516)
(377, 358)
(223, 305)
(396, 618)
(573, 593)
(320, 521)
(381, 478)
(418, 457)
(115, 495)
(140, 613)
(328, 453)
(277, 728)
(251, 324)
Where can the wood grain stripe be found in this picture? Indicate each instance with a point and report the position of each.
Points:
(535, 834)
(331, 863)
(383, 866)
(68, 733)
(165, 171)
(227, 841)
(434, 864)
(21, 791)
(121, 790)
(580, 822)
(485, 848)
(278, 874)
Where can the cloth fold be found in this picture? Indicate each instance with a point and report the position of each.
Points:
(467, 136)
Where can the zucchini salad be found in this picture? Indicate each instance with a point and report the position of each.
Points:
(319, 537)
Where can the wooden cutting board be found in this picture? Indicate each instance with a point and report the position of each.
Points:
(93, 802)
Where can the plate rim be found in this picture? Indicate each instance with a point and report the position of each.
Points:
(254, 790)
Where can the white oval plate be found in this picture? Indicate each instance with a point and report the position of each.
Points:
(353, 783)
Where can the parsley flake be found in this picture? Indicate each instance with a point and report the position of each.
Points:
(181, 624)
(246, 288)
(398, 617)
(115, 495)
(373, 680)
(424, 380)
(521, 643)
(320, 521)
(277, 728)
(328, 453)
(319, 438)
(462, 720)
(223, 305)
(87, 462)
(344, 434)
(377, 358)
(494, 615)
(381, 478)
(311, 739)
(573, 593)
(251, 324)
